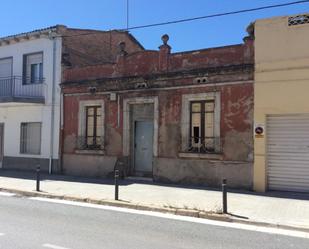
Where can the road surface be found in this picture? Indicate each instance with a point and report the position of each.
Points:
(35, 223)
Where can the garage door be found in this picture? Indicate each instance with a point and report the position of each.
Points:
(288, 152)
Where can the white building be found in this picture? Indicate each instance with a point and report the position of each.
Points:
(30, 99)
(30, 74)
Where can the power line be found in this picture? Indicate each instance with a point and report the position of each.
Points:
(202, 17)
(189, 19)
(218, 15)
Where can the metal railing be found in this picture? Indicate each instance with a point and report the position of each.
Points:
(205, 144)
(20, 87)
(89, 143)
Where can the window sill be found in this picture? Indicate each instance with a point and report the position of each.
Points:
(29, 154)
(200, 155)
(90, 152)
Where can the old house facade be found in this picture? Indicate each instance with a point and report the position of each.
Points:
(281, 103)
(175, 117)
(31, 66)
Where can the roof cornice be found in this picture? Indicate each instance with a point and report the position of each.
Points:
(35, 34)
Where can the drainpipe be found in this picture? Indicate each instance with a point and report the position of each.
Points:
(118, 110)
(61, 134)
(52, 118)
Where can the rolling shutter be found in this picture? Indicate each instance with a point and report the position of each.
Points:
(5, 68)
(288, 152)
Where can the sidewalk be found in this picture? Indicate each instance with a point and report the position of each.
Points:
(282, 209)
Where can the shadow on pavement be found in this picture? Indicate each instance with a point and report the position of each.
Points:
(31, 175)
(238, 216)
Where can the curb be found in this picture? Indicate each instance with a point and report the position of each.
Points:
(175, 211)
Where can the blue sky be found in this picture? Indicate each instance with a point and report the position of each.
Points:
(22, 16)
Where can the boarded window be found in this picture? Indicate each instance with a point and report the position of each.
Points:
(30, 138)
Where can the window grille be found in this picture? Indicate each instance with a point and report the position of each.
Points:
(298, 20)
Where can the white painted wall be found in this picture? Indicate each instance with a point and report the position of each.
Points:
(13, 114)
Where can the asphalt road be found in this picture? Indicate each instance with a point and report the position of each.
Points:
(31, 224)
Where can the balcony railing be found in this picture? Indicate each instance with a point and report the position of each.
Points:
(19, 89)
(205, 145)
(89, 143)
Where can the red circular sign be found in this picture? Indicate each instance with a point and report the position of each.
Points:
(259, 130)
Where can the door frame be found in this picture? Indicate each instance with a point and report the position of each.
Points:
(127, 124)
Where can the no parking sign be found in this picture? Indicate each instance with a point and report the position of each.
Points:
(259, 130)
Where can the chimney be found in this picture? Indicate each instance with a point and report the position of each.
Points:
(249, 44)
(121, 57)
(164, 53)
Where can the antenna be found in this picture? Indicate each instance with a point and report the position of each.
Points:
(127, 14)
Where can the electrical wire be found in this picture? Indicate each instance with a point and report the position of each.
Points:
(218, 15)
(194, 18)
(203, 17)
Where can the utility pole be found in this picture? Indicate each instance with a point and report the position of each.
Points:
(127, 14)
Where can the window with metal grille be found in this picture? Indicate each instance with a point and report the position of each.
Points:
(298, 20)
(202, 137)
(30, 138)
(93, 127)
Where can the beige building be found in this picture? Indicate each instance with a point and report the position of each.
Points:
(281, 152)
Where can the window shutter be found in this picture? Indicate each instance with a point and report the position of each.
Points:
(30, 138)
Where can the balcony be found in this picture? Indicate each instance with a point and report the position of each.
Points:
(18, 89)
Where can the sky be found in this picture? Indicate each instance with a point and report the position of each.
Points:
(25, 15)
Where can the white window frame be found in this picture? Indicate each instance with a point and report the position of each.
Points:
(21, 141)
(28, 68)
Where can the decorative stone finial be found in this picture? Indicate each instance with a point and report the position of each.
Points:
(250, 30)
(165, 39)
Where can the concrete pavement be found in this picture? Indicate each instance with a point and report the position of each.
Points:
(27, 223)
(284, 209)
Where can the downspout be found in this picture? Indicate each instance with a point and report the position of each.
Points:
(52, 118)
(118, 110)
(61, 133)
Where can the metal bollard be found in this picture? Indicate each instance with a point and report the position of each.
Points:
(116, 184)
(224, 196)
(38, 178)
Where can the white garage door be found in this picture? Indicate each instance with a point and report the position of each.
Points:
(288, 152)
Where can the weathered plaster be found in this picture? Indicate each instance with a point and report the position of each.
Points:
(203, 172)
